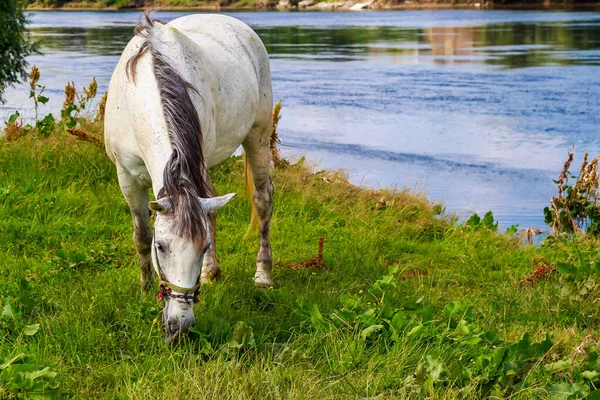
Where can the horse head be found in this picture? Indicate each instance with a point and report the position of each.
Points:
(178, 257)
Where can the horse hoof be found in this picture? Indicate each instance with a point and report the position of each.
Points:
(262, 279)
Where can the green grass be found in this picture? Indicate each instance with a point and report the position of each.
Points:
(66, 229)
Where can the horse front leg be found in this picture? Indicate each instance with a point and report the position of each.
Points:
(263, 201)
(137, 197)
(258, 154)
(210, 268)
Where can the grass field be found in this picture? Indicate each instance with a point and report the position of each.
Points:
(412, 305)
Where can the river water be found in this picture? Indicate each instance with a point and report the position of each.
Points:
(477, 109)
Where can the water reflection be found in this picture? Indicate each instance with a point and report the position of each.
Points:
(509, 45)
(102, 41)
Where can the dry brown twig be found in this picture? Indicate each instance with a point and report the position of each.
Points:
(541, 271)
(315, 262)
(88, 137)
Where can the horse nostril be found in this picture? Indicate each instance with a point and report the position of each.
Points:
(173, 326)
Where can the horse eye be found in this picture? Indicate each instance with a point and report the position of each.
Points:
(207, 246)
(159, 246)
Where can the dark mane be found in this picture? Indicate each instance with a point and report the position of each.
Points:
(185, 174)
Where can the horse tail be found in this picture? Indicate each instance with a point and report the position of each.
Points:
(250, 194)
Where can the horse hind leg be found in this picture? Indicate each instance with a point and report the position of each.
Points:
(137, 197)
(258, 155)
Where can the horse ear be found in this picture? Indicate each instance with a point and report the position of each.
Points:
(161, 206)
(214, 203)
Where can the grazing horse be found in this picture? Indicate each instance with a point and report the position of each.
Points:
(183, 97)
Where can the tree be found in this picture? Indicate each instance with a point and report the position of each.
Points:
(15, 44)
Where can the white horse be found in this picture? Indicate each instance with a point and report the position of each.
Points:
(183, 97)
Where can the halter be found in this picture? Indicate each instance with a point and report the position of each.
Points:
(167, 288)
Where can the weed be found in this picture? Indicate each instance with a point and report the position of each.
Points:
(34, 76)
(101, 108)
(13, 129)
(486, 223)
(75, 103)
(542, 270)
(576, 208)
(21, 376)
(275, 155)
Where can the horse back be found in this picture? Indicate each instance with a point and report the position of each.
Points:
(227, 67)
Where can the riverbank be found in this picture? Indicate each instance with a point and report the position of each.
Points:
(410, 304)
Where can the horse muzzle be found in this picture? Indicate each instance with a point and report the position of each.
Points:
(178, 317)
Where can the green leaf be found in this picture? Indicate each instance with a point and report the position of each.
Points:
(43, 373)
(43, 99)
(512, 230)
(317, 319)
(410, 305)
(387, 311)
(560, 365)
(367, 332)
(416, 330)
(70, 122)
(352, 302)
(472, 341)
(48, 119)
(206, 347)
(31, 330)
(473, 221)
(566, 269)
(492, 338)
(426, 316)
(498, 357)
(450, 309)
(463, 328)
(368, 317)
(13, 118)
(538, 350)
(522, 345)
(9, 312)
(434, 367)
(488, 221)
(548, 216)
(21, 357)
(46, 125)
(399, 322)
(595, 395)
(566, 391)
(242, 335)
(591, 376)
